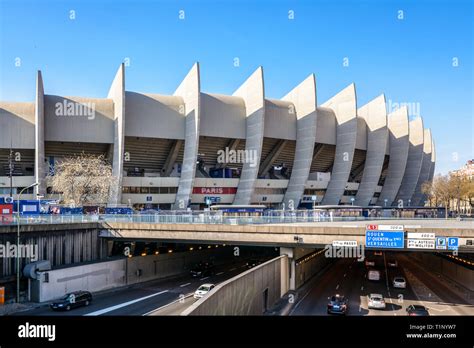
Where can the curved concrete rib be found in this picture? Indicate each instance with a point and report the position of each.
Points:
(344, 106)
(375, 115)
(414, 161)
(40, 170)
(253, 93)
(397, 123)
(418, 197)
(190, 91)
(117, 94)
(303, 98)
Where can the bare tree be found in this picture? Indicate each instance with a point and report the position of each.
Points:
(82, 179)
(427, 190)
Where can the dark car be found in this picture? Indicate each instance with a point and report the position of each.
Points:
(417, 310)
(204, 269)
(72, 300)
(252, 263)
(337, 305)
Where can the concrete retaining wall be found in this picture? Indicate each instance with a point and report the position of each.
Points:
(305, 270)
(461, 275)
(249, 293)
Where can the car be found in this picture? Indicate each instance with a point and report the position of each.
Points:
(252, 263)
(373, 274)
(203, 269)
(337, 305)
(369, 263)
(378, 253)
(376, 301)
(392, 263)
(399, 282)
(72, 300)
(417, 310)
(203, 290)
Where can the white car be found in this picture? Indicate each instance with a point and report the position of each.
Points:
(373, 274)
(399, 282)
(376, 301)
(203, 290)
(369, 263)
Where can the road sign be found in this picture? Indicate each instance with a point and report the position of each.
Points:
(384, 239)
(441, 243)
(453, 243)
(420, 243)
(313, 198)
(384, 227)
(344, 243)
(212, 199)
(412, 235)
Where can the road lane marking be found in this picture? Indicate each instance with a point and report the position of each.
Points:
(345, 275)
(121, 305)
(337, 287)
(204, 278)
(232, 269)
(180, 299)
(219, 273)
(362, 287)
(183, 285)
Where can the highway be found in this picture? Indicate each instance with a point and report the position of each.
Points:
(141, 299)
(348, 277)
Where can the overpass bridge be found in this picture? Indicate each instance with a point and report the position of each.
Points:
(299, 234)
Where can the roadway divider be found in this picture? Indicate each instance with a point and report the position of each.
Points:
(252, 292)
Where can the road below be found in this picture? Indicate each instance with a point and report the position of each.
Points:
(348, 277)
(143, 298)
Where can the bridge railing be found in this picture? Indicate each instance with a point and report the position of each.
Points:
(193, 218)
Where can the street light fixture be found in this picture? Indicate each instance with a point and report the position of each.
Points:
(385, 202)
(18, 241)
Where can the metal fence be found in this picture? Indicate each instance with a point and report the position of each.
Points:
(199, 217)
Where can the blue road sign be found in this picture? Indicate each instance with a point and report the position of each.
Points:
(453, 243)
(441, 243)
(384, 239)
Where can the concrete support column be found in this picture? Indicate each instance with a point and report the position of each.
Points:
(344, 107)
(303, 98)
(190, 91)
(253, 94)
(418, 197)
(40, 166)
(398, 147)
(290, 252)
(375, 115)
(414, 162)
(117, 94)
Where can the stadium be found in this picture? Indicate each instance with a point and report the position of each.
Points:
(193, 149)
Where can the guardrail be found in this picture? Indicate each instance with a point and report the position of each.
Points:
(198, 218)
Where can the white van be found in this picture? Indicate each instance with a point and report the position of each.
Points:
(373, 274)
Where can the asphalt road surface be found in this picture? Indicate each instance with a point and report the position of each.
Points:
(144, 298)
(348, 277)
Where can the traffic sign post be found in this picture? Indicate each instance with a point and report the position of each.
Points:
(441, 243)
(453, 243)
(385, 236)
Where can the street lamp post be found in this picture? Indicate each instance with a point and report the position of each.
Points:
(352, 200)
(18, 241)
(385, 202)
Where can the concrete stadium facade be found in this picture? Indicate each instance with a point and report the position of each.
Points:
(193, 148)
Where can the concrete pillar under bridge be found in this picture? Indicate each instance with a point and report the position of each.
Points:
(304, 263)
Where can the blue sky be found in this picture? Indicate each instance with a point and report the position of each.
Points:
(409, 59)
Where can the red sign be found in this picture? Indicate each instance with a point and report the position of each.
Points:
(214, 190)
